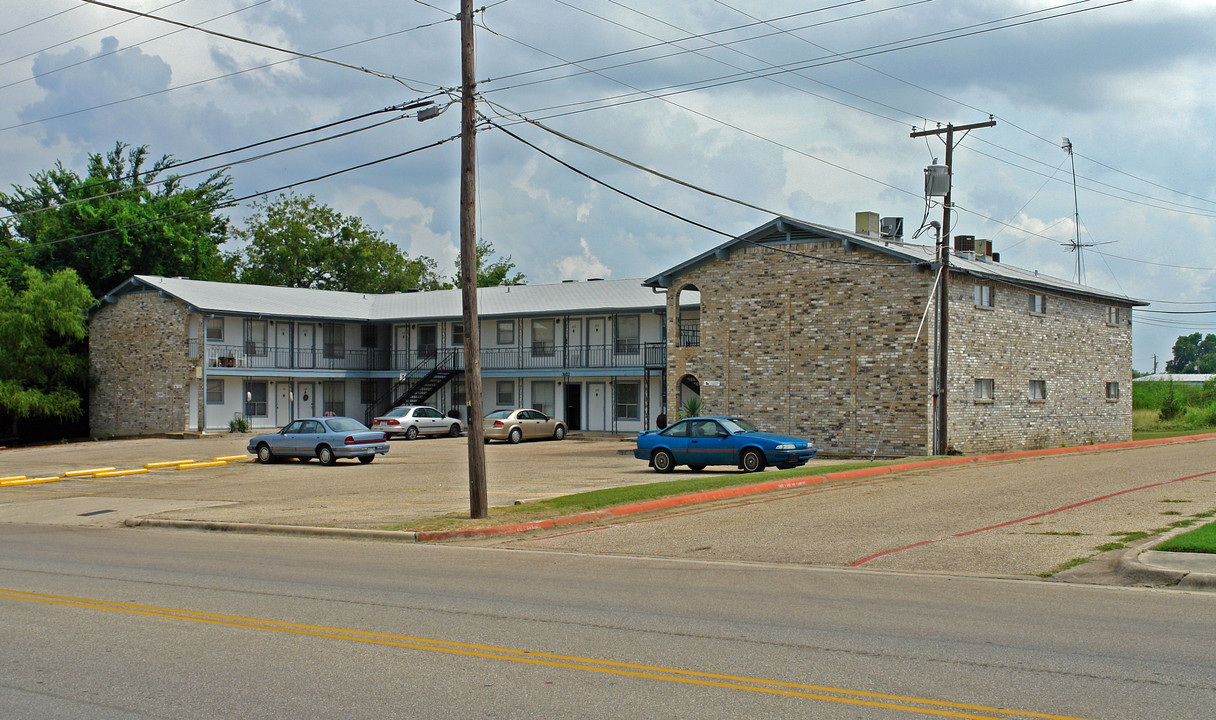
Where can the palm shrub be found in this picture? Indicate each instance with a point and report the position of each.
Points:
(691, 407)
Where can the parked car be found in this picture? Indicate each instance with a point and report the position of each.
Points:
(521, 424)
(325, 438)
(414, 420)
(701, 441)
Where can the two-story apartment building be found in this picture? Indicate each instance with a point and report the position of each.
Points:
(173, 354)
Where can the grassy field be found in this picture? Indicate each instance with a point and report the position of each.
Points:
(1166, 409)
(1201, 540)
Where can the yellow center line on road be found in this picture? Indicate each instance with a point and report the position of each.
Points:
(863, 698)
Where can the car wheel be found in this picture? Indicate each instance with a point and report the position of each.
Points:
(696, 468)
(663, 461)
(411, 433)
(264, 454)
(559, 432)
(454, 431)
(515, 436)
(365, 459)
(752, 461)
(326, 455)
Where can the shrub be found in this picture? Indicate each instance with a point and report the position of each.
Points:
(238, 425)
(1170, 406)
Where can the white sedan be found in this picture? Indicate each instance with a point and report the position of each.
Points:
(414, 420)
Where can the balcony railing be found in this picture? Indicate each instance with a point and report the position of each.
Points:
(535, 357)
(690, 333)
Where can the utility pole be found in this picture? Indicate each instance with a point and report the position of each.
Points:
(478, 496)
(940, 441)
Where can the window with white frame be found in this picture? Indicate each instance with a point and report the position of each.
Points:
(215, 391)
(1038, 304)
(457, 335)
(542, 337)
(255, 398)
(984, 389)
(215, 330)
(1112, 391)
(506, 332)
(627, 333)
(627, 394)
(542, 396)
(1037, 391)
(255, 337)
(984, 296)
(504, 393)
(333, 339)
(1114, 315)
(334, 392)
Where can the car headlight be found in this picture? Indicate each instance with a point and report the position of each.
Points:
(786, 446)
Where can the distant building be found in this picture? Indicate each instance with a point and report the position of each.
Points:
(1180, 378)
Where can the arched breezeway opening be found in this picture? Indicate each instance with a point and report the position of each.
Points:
(690, 396)
(688, 317)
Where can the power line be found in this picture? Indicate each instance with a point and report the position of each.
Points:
(43, 19)
(92, 32)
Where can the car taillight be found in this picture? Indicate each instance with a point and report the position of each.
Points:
(393, 422)
(350, 439)
(499, 423)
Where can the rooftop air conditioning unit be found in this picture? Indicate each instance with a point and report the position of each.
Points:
(964, 243)
(892, 228)
(868, 224)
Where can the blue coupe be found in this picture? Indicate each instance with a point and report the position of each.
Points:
(700, 441)
(325, 438)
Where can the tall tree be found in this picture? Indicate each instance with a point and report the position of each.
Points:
(1194, 353)
(295, 241)
(491, 269)
(119, 220)
(43, 370)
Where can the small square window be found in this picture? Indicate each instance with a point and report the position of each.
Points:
(1112, 391)
(506, 332)
(984, 296)
(505, 392)
(215, 330)
(984, 388)
(457, 334)
(1038, 304)
(1037, 392)
(1115, 316)
(215, 391)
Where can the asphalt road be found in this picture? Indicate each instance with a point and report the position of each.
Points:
(121, 624)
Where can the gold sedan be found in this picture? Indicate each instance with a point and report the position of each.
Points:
(521, 424)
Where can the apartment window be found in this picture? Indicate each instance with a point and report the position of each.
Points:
(333, 339)
(627, 329)
(215, 330)
(504, 392)
(334, 392)
(1037, 392)
(215, 391)
(255, 398)
(1112, 391)
(1038, 304)
(984, 388)
(627, 394)
(367, 392)
(542, 396)
(984, 296)
(367, 336)
(506, 332)
(542, 337)
(1114, 315)
(255, 337)
(457, 335)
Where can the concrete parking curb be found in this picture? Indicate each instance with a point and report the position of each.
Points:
(272, 528)
(1144, 565)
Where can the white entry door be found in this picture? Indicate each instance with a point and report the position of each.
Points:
(282, 404)
(574, 342)
(401, 347)
(306, 401)
(596, 343)
(597, 407)
(305, 348)
(282, 345)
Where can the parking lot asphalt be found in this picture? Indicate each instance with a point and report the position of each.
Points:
(1020, 516)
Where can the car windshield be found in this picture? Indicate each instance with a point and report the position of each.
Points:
(738, 425)
(344, 424)
(397, 412)
(499, 415)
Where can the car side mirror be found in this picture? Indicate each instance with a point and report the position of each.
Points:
(723, 434)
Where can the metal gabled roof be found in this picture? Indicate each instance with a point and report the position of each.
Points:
(270, 301)
(788, 230)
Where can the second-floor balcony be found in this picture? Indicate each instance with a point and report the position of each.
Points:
(537, 356)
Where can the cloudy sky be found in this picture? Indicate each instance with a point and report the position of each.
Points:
(798, 108)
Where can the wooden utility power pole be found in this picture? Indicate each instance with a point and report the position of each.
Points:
(940, 443)
(478, 495)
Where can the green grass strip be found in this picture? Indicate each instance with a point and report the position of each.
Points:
(1200, 540)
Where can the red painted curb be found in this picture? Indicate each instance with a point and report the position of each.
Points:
(785, 484)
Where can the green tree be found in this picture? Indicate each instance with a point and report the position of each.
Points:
(491, 270)
(43, 368)
(115, 206)
(1194, 353)
(295, 241)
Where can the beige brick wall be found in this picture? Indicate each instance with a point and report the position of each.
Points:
(1071, 347)
(799, 346)
(139, 360)
(827, 351)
